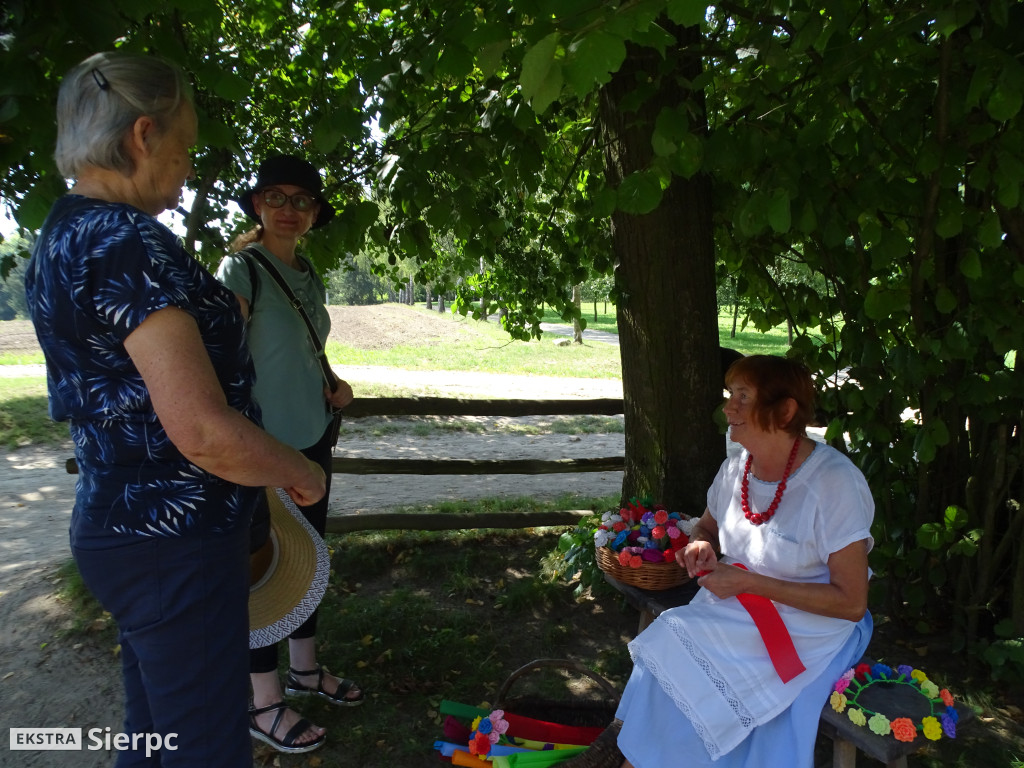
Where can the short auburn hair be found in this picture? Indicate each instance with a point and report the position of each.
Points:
(776, 379)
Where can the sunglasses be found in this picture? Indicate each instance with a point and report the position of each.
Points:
(301, 202)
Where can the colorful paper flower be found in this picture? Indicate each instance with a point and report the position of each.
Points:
(931, 728)
(903, 729)
(880, 724)
(838, 702)
(948, 725)
(479, 744)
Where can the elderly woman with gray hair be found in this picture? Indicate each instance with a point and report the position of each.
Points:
(146, 359)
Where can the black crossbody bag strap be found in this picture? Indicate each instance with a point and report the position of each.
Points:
(321, 355)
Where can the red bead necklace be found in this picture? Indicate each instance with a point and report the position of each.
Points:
(764, 517)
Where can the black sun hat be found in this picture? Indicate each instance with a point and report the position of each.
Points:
(287, 169)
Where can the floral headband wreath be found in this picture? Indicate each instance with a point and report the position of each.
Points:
(851, 694)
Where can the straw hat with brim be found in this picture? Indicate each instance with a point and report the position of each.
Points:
(294, 171)
(287, 575)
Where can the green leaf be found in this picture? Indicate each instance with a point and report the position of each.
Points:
(488, 58)
(955, 517)
(945, 301)
(950, 223)
(1004, 103)
(454, 63)
(326, 135)
(605, 200)
(213, 133)
(640, 192)
(882, 302)
(541, 78)
(970, 266)
(924, 447)
(689, 159)
(231, 86)
(931, 536)
(689, 13)
(591, 59)
(990, 232)
(778, 211)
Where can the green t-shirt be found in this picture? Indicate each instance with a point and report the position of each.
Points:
(289, 383)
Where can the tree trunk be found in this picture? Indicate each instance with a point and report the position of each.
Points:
(577, 329)
(430, 303)
(671, 373)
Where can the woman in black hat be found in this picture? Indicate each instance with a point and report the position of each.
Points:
(295, 394)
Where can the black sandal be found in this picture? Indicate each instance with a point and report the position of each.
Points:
(295, 688)
(287, 744)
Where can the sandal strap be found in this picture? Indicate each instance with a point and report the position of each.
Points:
(253, 711)
(318, 671)
(297, 730)
(281, 707)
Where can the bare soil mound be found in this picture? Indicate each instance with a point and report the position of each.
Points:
(382, 326)
(377, 326)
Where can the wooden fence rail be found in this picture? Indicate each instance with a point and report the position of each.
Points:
(441, 406)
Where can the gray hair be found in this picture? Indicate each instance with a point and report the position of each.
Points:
(99, 102)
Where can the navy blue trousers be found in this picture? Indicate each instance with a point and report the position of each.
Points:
(181, 607)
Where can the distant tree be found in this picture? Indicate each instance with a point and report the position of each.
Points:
(13, 305)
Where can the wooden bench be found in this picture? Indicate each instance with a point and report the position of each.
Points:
(847, 738)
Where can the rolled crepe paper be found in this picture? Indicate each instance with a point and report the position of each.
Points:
(469, 761)
(541, 730)
(447, 748)
(523, 727)
(536, 759)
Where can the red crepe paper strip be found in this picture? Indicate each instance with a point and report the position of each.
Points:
(773, 632)
(540, 730)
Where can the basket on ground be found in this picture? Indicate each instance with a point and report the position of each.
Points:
(654, 576)
(598, 709)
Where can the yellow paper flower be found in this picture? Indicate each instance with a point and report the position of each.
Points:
(918, 675)
(838, 701)
(930, 689)
(932, 728)
(856, 716)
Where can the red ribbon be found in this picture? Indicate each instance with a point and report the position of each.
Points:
(773, 632)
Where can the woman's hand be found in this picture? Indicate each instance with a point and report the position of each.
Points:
(699, 554)
(725, 580)
(341, 396)
(697, 557)
(311, 489)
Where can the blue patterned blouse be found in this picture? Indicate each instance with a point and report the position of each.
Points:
(97, 271)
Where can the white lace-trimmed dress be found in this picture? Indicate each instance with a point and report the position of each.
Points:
(703, 689)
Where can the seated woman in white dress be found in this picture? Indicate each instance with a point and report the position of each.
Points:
(738, 676)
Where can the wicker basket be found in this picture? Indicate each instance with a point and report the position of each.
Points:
(596, 711)
(653, 576)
